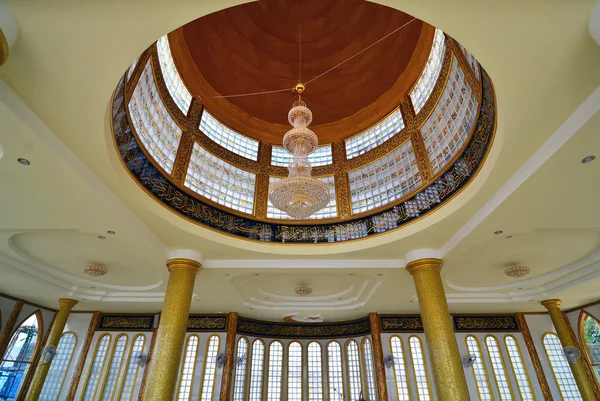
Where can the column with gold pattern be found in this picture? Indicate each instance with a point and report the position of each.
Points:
(375, 324)
(562, 330)
(58, 327)
(232, 320)
(164, 365)
(448, 372)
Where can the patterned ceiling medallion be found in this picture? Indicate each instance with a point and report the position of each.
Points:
(95, 270)
(303, 291)
(517, 271)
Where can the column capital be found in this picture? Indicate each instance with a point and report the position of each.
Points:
(67, 303)
(183, 264)
(551, 303)
(431, 264)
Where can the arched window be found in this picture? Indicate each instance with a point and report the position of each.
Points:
(240, 369)
(500, 373)
(256, 370)
(420, 368)
(334, 371)
(17, 359)
(186, 375)
(560, 367)
(315, 372)
(479, 370)
(58, 368)
(133, 366)
(210, 368)
(96, 368)
(589, 336)
(353, 364)
(519, 369)
(173, 81)
(115, 364)
(402, 386)
(275, 371)
(295, 371)
(371, 393)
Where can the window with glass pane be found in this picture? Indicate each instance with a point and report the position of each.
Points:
(420, 93)
(131, 69)
(400, 374)
(219, 181)
(240, 369)
(472, 61)
(114, 368)
(17, 358)
(560, 367)
(58, 368)
(294, 372)
(173, 81)
(275, 371)
(133, 366)
(374, 136)
(186, 375)
(420, 368)
(315, 372)
(500, 373)
(228, 138)
(518, 367)
(210, 368)
(479, 370)
(354, 374)
(320, 157)
(589, 333)
(96, 368)
(155, 128)
(370, 373)
(334, 372)
(329, 211)
(384, 180)
(448, 127)
(257, 367)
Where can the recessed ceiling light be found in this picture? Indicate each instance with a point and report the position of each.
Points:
(508, 236)
(256, 274)
(498, 232)
(380, 274)
(24, 162)
(351, 274)
(101, 237)
(412, 300)
(111, 232)
(588, 159)
(226, 274)
(520, 288)
(267, 298)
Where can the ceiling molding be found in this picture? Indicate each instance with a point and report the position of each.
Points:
(304, 264)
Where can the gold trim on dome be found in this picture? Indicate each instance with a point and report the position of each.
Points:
(342, 183)
(4, 48)
(131, 83)
(464, 64)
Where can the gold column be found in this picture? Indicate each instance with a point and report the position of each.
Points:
(57, 328)
(448, 372)
(375, 323)
(583, 383)
(229, 349)
(162, 373)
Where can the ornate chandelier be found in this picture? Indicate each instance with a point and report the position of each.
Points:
(299, 195)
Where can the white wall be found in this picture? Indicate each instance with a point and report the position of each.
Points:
(6, 308)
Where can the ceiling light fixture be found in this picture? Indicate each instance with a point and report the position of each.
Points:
(95, 270)
(24, 162)
(588, 159)
(101, 237)
(498, 232)
(111, 232)
(517, 271)
(303, 291)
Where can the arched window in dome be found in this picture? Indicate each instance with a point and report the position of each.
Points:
(482, 380)
(334, 371)
(294, 377)
(257, 367)
(424, 86)
(240, 369)
(371, 393)
(499, 368)
(420, 368)
(449, 125)
(155, 127)
(329, 211)
(219, 181)
(58, 369)
(315, 372)
(132, 369)
(400, 373)
(186, 374)
(354, 371)
(114, 368)
(589, 337)
(210, 368)
(322, 156)
(16, 361)
(560, 367)
(375, 135)
(384, 180)
(275, 374)
(519, 369)
(228, 138)
(173, 81)
(96, 368)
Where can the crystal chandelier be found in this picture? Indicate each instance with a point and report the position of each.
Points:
(299, 195)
